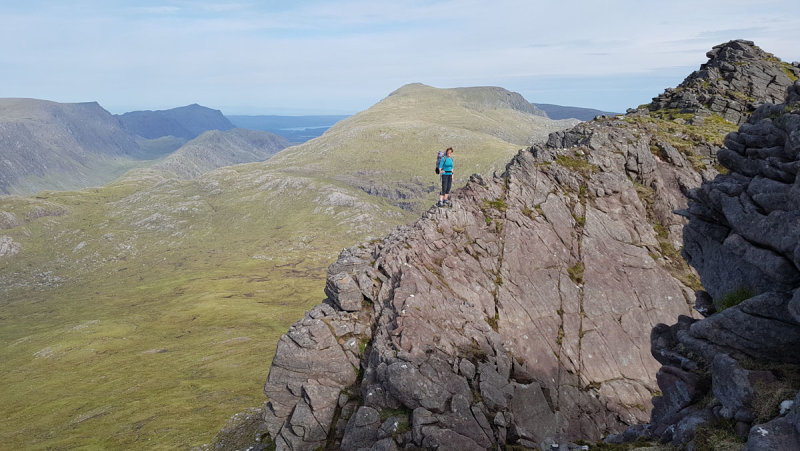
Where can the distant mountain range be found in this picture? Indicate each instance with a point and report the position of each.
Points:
(186, 122)
(49, 145)
(299, 129)
(60, 146)
(571, 112)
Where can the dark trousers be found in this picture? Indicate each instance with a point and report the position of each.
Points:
(447, 182)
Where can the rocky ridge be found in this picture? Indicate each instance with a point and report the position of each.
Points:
(737, 371)
(738, 78)
(520, 316)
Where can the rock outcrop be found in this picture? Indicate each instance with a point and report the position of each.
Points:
(737, 371)
(738, 77)
(520, 316)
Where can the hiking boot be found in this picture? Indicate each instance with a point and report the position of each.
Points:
(448, 203)
(440, 204)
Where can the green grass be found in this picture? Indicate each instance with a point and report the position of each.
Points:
(579, 165)
(213, 282)
(718, 435)
(576, 272)
(403, 419)
(735, 297)
(788, 69)
(161, 364)
(497, 204)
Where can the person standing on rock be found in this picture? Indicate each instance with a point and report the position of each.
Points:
(446, 170)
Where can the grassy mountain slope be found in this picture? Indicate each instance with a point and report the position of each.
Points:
(395, 141)
(215, 149)
(144, 313)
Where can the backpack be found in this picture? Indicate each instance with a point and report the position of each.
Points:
(439, 156)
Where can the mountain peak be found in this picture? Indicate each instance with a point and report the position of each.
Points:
(737, 78)
(478, 97)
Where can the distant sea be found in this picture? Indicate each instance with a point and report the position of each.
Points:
(297, 129)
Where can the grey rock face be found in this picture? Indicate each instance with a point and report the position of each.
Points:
(737, 78)
(505, 319)
(732, 385)
(742, 238)
(778, 435)
(314, 362)
(362, 429)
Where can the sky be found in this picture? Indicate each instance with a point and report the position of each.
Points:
(341, 57)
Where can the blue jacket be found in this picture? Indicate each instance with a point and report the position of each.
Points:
(446, 165)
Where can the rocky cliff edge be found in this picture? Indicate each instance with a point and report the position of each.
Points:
(734, 376)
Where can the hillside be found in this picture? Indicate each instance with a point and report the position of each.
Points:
(215, 149)
(145, 311)
(49, 145)
(185, 122)
(395, 141)
(523, 315)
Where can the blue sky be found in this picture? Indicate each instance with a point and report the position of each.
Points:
(325, 57)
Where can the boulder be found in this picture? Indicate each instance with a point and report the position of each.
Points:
(362, 429)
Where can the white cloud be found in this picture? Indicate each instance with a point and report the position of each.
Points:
(344, 56)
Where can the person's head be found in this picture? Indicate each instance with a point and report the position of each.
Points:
(449, 151)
